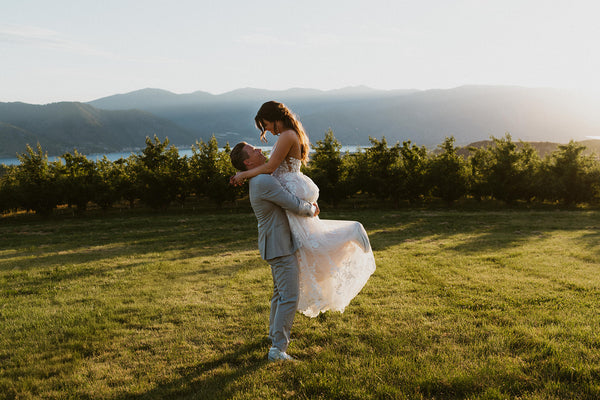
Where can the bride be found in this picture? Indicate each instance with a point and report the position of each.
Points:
(335, 259)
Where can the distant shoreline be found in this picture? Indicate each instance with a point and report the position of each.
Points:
(187, 151)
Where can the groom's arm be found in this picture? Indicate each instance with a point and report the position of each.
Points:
(269, 189)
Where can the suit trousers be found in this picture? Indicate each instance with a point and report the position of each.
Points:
(285, 299)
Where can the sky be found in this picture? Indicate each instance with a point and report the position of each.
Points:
(82, 50)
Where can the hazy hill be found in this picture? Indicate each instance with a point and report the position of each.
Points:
(469, 113)
(13, 140)
(230, 116)
(60, 127)
(542, 148)
(151, 99)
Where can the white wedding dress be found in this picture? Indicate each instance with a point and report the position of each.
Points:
(334, 257)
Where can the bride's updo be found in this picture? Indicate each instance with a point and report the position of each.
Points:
(273, 111)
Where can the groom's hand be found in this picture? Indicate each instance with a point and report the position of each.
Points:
(317, 211)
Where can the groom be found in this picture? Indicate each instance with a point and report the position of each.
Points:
(269, 200)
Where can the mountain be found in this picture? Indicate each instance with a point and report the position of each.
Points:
(150, 99)
(14, 140)
(61, 127)
(543, 149)
(469, 113)
(230, 116)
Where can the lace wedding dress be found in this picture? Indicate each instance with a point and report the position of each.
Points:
(334, 257)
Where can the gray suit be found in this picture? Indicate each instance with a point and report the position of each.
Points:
(277, 247)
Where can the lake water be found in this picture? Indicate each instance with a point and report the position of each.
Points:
(182, 152)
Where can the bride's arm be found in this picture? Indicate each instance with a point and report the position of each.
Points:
(284, 144)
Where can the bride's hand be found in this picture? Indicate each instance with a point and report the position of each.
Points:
(238, 179)
(317, 210)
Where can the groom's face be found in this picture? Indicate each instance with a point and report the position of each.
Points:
(255, 156)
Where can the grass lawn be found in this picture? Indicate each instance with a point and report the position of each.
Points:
(464, 304)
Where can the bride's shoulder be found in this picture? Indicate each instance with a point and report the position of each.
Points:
(287, 139)
(290, 133)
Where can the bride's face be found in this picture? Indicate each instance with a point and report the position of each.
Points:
(269, 126)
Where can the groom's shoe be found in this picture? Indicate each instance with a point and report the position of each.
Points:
(277, 355)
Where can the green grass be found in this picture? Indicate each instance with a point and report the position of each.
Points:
(464, 304)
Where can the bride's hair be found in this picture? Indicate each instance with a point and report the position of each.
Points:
(273, 111)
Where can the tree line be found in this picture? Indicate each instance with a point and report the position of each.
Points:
(159, 177)
(502, 170)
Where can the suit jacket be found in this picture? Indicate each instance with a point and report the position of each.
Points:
(269, 200)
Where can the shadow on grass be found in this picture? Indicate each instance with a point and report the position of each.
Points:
(53, 278)
(478, 231)
(50, 244)
(211, 379)
(193, 235)
(592, 239)
(23, 259)
(94, 246)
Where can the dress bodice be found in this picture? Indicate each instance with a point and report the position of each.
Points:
(288, 165)
(294, 181)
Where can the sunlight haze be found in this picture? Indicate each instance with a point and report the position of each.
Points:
(81, 51)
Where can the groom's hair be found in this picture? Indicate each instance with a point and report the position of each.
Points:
(238, 155)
